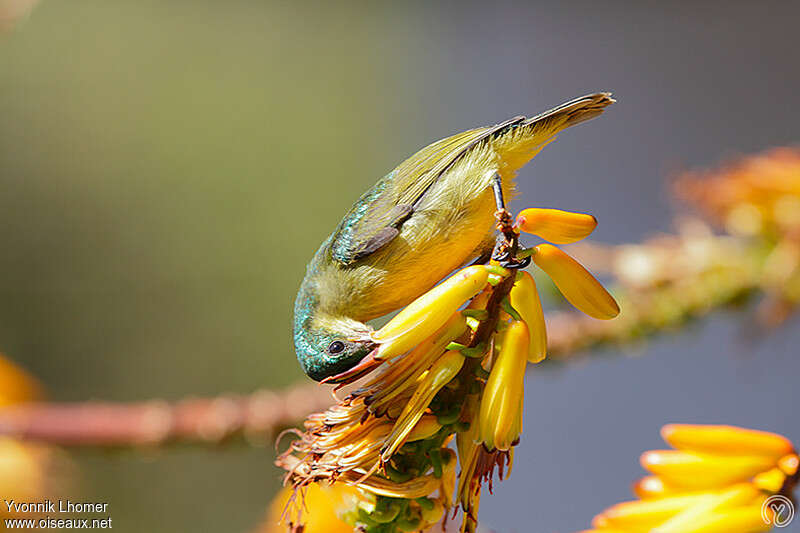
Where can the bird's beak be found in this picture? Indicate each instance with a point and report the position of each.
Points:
(361, 369)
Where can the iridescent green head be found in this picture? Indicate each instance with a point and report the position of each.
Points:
(327, 345)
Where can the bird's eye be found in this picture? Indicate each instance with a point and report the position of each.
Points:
(336, 347)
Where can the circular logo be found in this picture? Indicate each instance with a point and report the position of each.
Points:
(777, 510)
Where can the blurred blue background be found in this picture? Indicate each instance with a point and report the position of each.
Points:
(167, 168)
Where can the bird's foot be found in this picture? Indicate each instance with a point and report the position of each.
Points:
(507, 259)
(506, 249)
(505, 224)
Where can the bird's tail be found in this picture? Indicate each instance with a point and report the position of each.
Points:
(573, 112)
(522, 139)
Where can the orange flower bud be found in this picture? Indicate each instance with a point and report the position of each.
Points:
(554, 225)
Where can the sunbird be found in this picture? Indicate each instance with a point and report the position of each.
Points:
(432, 214)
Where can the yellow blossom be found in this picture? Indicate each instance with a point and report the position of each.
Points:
(554, 225)
(500, 419)
(430, 383)
(524, 298)
(690, 470)
(716, 482)
(575, 282)
(399, 378)
(429, 312)
(689, 519)
(725, 440)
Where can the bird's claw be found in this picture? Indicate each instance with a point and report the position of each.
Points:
(514, 262)
(506, 260)
(506, 248)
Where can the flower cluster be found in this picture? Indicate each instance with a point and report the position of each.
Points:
(758, 198)
(450, 364)
(756, 195)
(716, 479)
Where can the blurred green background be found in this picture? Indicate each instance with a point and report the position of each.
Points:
(167, 168)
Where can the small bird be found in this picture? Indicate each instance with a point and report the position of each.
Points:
(430, 215)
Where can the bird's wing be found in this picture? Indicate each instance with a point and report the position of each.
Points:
(376, 217)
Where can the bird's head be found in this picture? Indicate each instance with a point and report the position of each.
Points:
(328, 346)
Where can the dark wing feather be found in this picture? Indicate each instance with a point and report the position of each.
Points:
(376, 217)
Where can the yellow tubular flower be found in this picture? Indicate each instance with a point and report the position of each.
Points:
(703, 471)
(405, 372)
(448, 486)
(736, 496)
(467, 448)
(554, 225)
(524, 298)
(415, 488)
(429, 312)
(725, 440)
(575, 282)
(500, 417)
(717, 482)
(644, 515)
(442, 371)
(746, 519)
